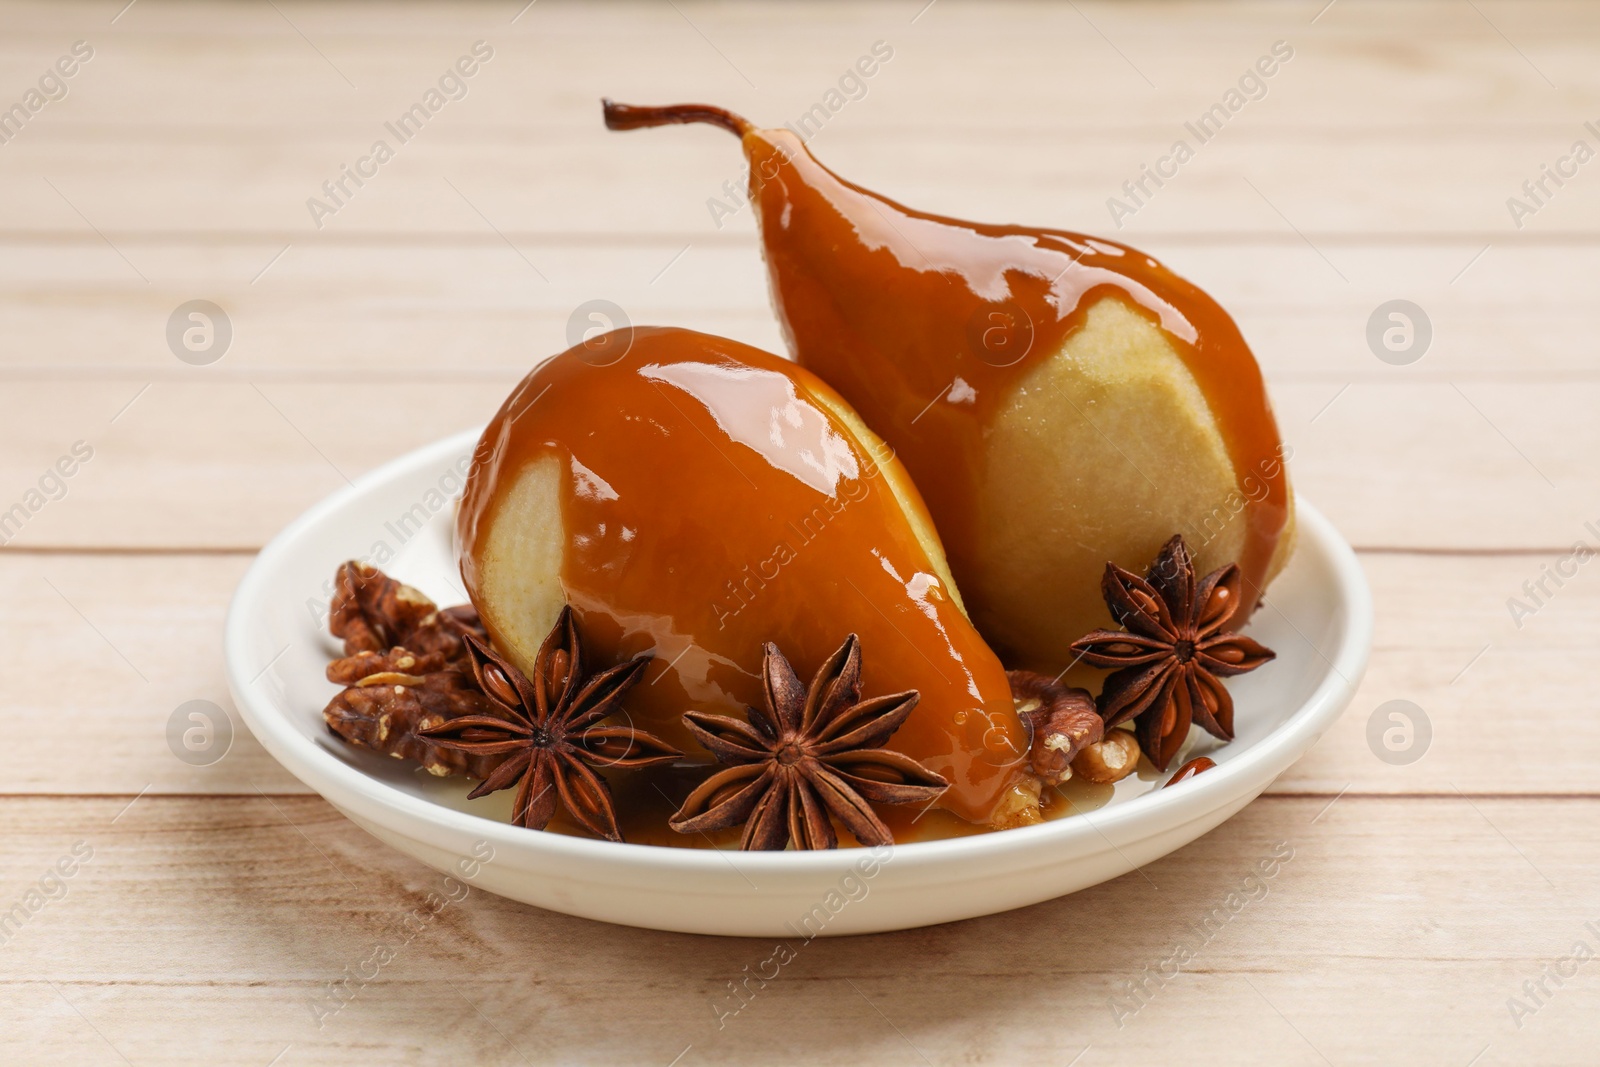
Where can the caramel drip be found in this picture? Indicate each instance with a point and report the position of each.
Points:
(915, 302)
(712, 502)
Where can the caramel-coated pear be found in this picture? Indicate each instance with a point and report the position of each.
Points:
(1061, 401)
(694, 497)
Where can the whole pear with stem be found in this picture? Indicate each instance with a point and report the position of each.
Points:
(1061, 401)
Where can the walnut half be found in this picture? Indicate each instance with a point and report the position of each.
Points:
(1063, 720)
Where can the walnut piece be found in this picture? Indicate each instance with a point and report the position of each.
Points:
(352, 669)
(1063, 720)
(1019, 805)
(385, 624)
(386, 709)
(405, 669)
(372, 611)
(1110, 760)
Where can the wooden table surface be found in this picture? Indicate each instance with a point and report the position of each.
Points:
(1435, 908)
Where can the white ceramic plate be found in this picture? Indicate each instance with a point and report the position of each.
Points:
(1318, 618)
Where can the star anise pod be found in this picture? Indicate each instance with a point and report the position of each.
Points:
(1174, 652)
(809, 753)
(549, 728)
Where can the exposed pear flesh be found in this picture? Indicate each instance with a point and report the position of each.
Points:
(519, 594)
(1097, 450)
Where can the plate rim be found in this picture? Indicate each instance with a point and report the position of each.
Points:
(1155, 811)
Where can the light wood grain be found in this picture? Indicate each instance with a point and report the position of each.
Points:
(1083, 112)
(580, 183)
(221, 900)
(467, 305)
(228, 917)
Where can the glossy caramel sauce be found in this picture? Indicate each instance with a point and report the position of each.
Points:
(916, 306)
(711, 501)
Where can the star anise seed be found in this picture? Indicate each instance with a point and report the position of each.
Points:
(549, 727)
(1173, 652)
(811, 753)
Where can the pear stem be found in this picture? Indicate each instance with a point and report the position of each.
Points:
(632, 117)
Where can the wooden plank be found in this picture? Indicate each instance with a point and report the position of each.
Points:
(409, 309)
(1082, 114)
(138, 635)
(120, 642)
(1247, 181)
(1448, 641)
(1496, 466)
(222, 466)
(222, 919)
(787, 52)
